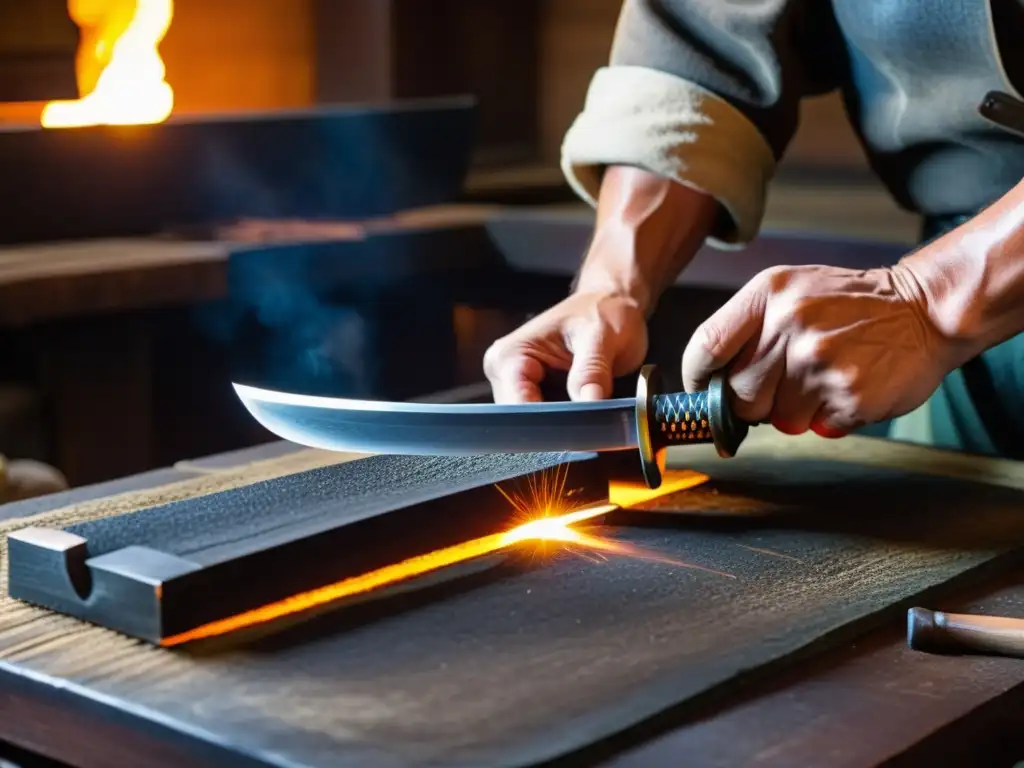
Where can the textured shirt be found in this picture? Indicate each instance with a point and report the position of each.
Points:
(707, 92)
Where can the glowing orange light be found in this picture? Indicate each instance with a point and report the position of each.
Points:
(549, 517)
(388, 575)
(119, 66)
(628, 495)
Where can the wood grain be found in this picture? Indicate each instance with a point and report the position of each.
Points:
(240, 55)
(38, 42)
(105, 363)
(44, 282)
(168, 570)
(869, 702)
(530, 664)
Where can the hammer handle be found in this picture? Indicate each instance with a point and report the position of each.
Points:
(938, 632)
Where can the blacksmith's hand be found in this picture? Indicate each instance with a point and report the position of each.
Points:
(595, 336)
(822, 348)
(648, 229)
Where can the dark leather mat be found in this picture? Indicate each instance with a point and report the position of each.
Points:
(552, 655)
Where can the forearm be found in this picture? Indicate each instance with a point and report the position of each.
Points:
(706, 94)
(973, 278)
(648, 229)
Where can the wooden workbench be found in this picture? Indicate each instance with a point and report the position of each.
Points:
(862, 704)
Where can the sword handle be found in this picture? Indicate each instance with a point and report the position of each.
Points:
(682, 418)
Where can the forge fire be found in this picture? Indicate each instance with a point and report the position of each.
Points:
(120, 72)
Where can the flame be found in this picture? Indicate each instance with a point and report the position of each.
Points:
(549, 516)
(628, 495)
(119, 66)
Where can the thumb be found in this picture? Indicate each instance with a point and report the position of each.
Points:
(590, 375)
(722, 337)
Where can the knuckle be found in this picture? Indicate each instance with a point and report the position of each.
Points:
(494, 357)
(848, 400)
(855, 406)
(800, 313)
(776, 279)
(745, 387)
(711, 338)
(590, 368)
(809, 351)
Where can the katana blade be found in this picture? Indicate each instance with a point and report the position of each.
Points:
(649, 423)
(370, 426)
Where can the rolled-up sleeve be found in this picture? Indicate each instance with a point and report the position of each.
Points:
(705, 92)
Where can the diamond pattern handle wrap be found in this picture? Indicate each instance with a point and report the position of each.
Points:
(682, 417)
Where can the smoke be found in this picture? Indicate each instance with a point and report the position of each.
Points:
(284, 329)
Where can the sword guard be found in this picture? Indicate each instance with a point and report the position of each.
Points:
(682, 417)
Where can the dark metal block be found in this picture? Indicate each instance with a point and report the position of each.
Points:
(348, 162)
(164, 571)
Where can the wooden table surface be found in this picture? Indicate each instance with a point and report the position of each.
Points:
(866, 703)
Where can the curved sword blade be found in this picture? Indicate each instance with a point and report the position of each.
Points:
(370, 426)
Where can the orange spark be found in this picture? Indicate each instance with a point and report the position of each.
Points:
(546, 495)
(119, 66)
(549, 515)
(386, 576)
(628, 495)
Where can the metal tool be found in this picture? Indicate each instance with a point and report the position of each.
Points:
(938, 632)
(649, 423)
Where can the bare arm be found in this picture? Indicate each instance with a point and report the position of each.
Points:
(648, 229)
(675, 147)
(705, 93)
(831, 349)
(972, 279)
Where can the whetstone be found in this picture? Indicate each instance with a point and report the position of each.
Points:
(164, 571)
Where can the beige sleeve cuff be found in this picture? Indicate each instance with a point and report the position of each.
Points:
(649, 119)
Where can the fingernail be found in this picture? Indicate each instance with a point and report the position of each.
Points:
(591, 392)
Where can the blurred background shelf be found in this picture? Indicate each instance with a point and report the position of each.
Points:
(117, 351)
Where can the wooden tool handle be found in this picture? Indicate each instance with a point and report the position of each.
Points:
(938, 632)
